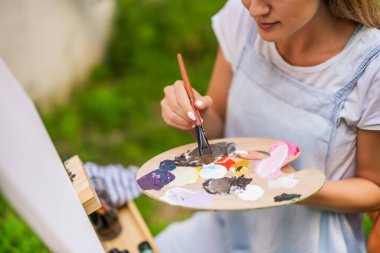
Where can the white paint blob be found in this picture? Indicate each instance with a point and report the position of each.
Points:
(284, 181)
(251, 193)
(213, 171)
(241, 152)
(184, 176)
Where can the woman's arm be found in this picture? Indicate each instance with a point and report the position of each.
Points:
(358, 194)
(214, 117)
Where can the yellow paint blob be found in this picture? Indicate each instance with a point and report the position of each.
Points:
(184, 176)
(242, 163)
(241, 171)
(198, 169)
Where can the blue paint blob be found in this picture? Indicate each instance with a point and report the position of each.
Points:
(167, 165)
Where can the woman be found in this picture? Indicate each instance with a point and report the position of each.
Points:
(305, 71)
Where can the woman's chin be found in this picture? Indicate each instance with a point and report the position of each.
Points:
(271, 33)
(269, 36)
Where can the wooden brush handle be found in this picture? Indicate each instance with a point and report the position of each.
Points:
(188, 88)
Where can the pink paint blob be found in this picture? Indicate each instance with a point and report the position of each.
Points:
(270, 168)
(293, 150)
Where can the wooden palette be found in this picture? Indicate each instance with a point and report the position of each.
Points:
(309, 180)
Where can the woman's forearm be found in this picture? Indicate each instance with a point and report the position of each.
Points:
(213, 124)
(347, 195)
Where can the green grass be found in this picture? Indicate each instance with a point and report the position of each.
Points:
(16, 236)
(114, 117)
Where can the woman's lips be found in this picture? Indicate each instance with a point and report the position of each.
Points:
(266, 26)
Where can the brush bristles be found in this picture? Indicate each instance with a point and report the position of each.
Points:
(207, 159)
(203, 146)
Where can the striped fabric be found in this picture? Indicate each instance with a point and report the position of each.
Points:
(120, 182)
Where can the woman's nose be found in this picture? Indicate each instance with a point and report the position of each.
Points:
(257, 8)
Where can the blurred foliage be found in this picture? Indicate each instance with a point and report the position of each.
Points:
(115, 116)
(367, 225)
(15, 235)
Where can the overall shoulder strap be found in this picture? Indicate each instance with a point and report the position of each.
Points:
(343, 93)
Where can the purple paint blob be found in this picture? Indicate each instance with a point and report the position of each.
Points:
(155, 180)
(167, 165)
(187, 197)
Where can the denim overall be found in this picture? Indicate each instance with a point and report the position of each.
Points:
(265, 102)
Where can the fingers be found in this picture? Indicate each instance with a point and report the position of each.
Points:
(183, 101)
(178, 101)
(173, 119)
(176, 109)
(202, 102)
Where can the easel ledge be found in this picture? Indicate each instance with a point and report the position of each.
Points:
(134, 229)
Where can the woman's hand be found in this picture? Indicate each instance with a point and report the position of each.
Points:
(176, 109)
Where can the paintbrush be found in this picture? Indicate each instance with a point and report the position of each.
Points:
(203, 146)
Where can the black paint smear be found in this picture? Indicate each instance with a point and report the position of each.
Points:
(240, 182)
(285, 196)
(184, 161)
(217, 186)
(191, 158)
(226, 185)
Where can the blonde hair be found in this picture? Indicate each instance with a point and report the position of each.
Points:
(366, 12)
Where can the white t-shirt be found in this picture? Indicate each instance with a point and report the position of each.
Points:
(362, 107)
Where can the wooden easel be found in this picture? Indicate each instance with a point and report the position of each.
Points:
(134, 229)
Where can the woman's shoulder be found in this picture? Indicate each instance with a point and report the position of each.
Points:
(363, 53)
(232, 25)
(372, 33)
(364, 101)
(367, 40)
(367, 48)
